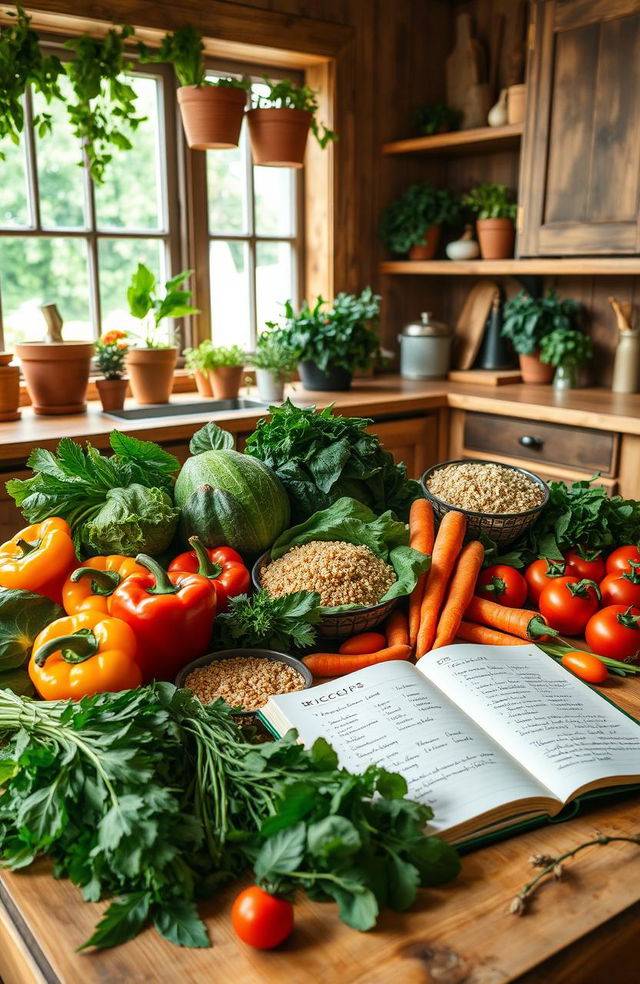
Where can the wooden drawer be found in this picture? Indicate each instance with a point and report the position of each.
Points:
(536, 441)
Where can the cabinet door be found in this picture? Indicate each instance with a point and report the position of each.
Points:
(413, 441)
(580, 186)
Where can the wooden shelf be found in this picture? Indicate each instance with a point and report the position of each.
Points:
(483, 140)
(611, 266)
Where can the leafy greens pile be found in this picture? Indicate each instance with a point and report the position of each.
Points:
(154, 799)
(320, 457)
(273, 623)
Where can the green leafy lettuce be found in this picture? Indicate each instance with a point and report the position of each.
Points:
(23, 615)
(132, 521)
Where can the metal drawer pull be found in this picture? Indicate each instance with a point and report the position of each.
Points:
(528, 441)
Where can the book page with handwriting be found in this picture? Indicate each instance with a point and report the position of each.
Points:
(390, 716)
(561, 730)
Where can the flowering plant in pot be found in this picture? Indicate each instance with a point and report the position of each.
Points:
(495, 217)
(566, 349)
(413, 222)
(279, 124)
(151, 362)
(111, 351)
(275, 362)
(212, 110)
(226, 365)
(198, 362)
(528, 320)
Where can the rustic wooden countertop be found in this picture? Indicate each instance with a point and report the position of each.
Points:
(382, 396)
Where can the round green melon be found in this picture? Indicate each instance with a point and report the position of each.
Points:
(230, 499)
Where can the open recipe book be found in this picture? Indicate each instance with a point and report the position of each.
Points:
(491, 737)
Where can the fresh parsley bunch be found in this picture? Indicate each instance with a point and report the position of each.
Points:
(273, 623)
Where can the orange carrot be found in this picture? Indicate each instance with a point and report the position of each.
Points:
(514, 621)
(460, 592)
(446, 548)
(333, 664)
(397, 629)
(487, 637)
(421, 537)
(365, 642)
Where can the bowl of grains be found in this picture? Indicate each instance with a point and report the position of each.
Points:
(501, 501)
(244, 678)
(342, 574)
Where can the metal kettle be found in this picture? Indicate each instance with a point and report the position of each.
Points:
(425, 349)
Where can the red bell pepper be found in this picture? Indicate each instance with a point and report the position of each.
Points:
(171, 615)
(223, 566)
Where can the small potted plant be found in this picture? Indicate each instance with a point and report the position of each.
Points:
(198, 362)
(527, 321)
(152, 361)
(436, 118)
(111, 351)
(566, 349)
(279, 124)
(212, 111)
(275, 362)
(495, 219)
(226, 365)
(413, 223)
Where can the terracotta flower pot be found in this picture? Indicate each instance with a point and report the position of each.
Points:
(278, 136)
(496, 238)
(9, 388)
(533, 370)
(225, 381)
(56, 374)
(211, 115)
(151, 373)
(112, 393)
(202, 383)
(429, 250)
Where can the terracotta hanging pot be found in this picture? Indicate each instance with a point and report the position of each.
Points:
(9, 388)
(202, 383)
(112, 393)
(430, 248)
(225, 381)
(496, 238)
(151, 373)
(211, 115)
(56, 374)
(533, 370)
(278, 136)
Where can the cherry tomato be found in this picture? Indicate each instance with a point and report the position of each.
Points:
(621, 589)
(619, 559)
(568, 603)
(366, 642)
(539, 573)
(585, 563)
(586, 666)
(503, 584)
(260, 919)
(614, 632)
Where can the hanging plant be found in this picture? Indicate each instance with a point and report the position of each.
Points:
(279, 124)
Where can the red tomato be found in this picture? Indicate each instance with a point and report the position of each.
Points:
(539, 573)
(619, 559)
(614, 632)
(585, 665)
(588, 564)
(260, 919)
(366, 642)
(503, 584)
(568, 603)
(620, 589)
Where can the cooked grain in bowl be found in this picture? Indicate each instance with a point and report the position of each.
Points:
(243, 681)
(342, 573)
(485, 488)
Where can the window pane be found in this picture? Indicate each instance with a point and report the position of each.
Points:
(38, 271)
(230, 318)
(274, 189)
(131, 196)
(14, 205)
(227, 189)
(61, 181)
(274, 280)
(117, 261)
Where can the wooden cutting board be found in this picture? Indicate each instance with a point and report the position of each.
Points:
(471, 323)
(467, 87)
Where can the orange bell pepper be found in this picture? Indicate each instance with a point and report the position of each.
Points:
(89, 588)
(83, 654)
(38, 558)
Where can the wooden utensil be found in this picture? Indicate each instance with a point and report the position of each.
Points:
(467, 87)
(515, 44)
(470, 325)
(495, 49)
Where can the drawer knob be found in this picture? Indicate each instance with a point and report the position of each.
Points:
(529, 441)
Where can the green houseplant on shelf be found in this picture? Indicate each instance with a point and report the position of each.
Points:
(279, 124)
(435, 118)
(528, 320)
(111, 351)
(413, 222)
(151, 361)
(197, 360)
(274, 361)
(567, 350)
(495, 213)
(226, 365)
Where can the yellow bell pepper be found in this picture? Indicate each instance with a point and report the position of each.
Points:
(38, 558)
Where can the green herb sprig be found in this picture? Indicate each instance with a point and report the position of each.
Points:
(274, 623)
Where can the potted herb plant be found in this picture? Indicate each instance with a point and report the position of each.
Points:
(151, 362)
(226, 365)
(275, 362)
(496, 213)
(212, 111)
(111, 351)
(279, 124)
(198, 362)
(566, 349)
(528, 320)
(436, 118)
(413, 223)
(331, 344)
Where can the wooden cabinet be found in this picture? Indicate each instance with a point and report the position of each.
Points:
(413, 441)
(580, 179)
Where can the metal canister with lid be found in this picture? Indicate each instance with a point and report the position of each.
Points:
(425, 349)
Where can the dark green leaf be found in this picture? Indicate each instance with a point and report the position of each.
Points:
(281, 853)
(178, 921)
(333, 839)
(357, 904)
(210, 438)
(437, 861)
(121, 922)
(23, 615)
